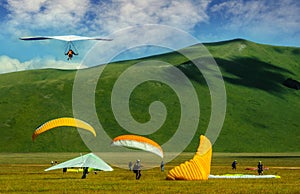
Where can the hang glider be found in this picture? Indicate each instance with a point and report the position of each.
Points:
(69, 39)
(64, 38)
(89, 160)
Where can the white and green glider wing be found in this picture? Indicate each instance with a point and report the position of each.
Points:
(67, 38)
(88, 160)
(242, 176)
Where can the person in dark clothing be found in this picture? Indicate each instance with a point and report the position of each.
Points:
(137, 169)
(233, 165)
(260, 168)
(64, 170)
(70, 54)
(85, 172)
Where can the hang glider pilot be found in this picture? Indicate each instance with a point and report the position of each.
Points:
(70, 54)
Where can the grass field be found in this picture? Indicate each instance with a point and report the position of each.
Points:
(258, 105)
(24, 172)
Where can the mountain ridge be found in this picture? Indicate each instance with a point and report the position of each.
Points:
(261, 112)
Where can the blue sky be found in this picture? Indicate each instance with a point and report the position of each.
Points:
(275, 22)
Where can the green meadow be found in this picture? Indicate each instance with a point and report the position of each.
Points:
(262, 115)
(261, 123)
(24, 173)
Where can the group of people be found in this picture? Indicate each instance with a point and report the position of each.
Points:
(260, 167)
(54, 163)
(137, 167)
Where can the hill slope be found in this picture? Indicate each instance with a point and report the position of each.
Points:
(262, 114)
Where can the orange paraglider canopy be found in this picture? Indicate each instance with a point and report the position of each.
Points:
(139, 142)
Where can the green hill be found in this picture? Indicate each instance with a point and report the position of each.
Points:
(262, 114)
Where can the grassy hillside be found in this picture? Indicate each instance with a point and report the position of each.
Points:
(262, 114)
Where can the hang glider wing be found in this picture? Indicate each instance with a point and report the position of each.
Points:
(89, 160)
(67, 38)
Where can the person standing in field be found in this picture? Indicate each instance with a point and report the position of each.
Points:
(130, 165)
(64, 170)
(260, 168)
(137, 169)
(162, 166)
(85, 172)
(233, 165)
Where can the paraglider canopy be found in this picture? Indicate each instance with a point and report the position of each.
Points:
(242, 176)
(198, 168)
(72, 122)
(138, 142)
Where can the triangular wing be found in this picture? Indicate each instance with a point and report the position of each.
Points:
(34, 38)
(95, 162)
(88, 160)
(64, 38)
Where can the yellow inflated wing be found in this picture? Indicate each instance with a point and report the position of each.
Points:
(197, 168)
(72, 122)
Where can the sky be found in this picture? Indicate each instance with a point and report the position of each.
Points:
(274, 22)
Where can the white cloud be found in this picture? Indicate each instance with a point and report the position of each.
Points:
(176, 13)
(8, 64)
(260, 15)
(32, 17)
(54, 15)
(26, 16)
(39, 63)
(137, 42)
(127, 22)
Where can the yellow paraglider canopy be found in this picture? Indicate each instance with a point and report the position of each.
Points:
(72, 122)
(197, 168)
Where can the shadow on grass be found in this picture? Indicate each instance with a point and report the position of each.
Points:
(252, 73)
(245, 71)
